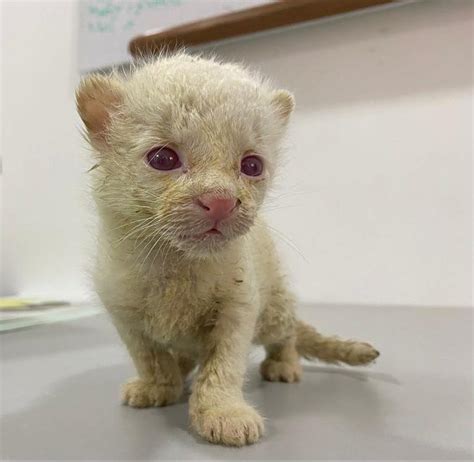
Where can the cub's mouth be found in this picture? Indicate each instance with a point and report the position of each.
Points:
(213, 238)
(196, 229)
(212, 234)
(213, 231)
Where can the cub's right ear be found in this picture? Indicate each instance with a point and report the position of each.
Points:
(97, 97)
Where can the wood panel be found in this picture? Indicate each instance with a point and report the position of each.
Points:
(261, 18)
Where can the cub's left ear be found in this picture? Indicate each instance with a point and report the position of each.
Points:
(97, 98)
(284, 102)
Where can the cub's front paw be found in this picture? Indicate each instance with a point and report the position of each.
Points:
(233, 425)
(141, 393)
(281, 371)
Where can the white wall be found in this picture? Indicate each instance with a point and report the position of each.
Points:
(378, 177)
(376, 191)
(1, 171)
(45, 222)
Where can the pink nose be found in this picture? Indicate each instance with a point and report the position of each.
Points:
(215, 207)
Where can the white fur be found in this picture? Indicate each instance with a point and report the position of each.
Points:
(179, 302)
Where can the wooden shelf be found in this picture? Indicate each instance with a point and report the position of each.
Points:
(261, 18)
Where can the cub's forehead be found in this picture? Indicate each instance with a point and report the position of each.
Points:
(196, 85)
(186, 99)
(193, 71)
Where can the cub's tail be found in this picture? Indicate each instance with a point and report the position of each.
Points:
(311, 344)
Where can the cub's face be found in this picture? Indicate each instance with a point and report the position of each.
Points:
(186, 149)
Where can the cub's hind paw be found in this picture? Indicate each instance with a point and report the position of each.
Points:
(281, 371)
(140, 393)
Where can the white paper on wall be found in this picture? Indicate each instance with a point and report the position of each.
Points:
(107, 26)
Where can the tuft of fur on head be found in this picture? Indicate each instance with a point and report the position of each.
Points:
(211, 113)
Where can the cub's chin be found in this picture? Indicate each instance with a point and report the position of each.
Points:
(204, 245)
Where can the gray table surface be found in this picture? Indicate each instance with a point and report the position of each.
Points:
(59, 395)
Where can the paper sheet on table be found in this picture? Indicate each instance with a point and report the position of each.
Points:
(27, 315)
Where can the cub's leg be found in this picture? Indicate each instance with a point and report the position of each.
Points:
(186, 364)
(276, 330)
(282, 362)
(218, 411)
(159, 380)
(286, 339)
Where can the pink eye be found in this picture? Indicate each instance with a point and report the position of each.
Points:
(251, 166)
(163, 158)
